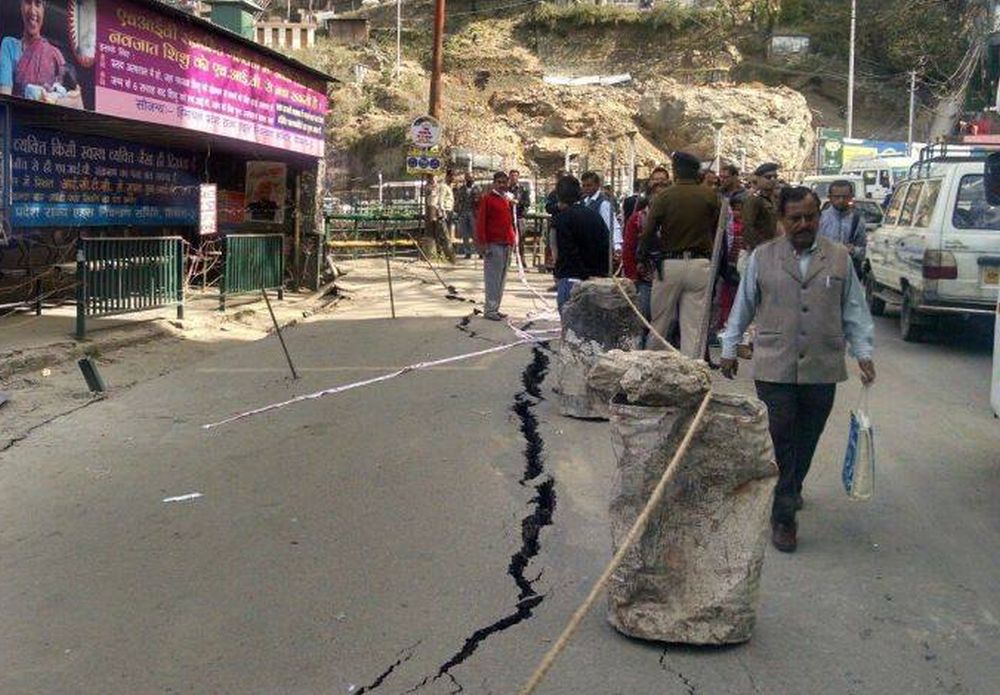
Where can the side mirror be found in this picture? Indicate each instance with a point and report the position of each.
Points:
(991, 179)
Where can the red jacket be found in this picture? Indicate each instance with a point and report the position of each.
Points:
(630, 244)
(495, 220)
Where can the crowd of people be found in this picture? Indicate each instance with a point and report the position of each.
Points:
(780, 275)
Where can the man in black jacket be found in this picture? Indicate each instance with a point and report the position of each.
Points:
(581, 237)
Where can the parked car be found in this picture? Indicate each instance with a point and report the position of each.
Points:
(937, 253)
(995, 392)
(871, 211)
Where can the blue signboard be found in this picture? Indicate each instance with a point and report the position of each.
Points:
(64, 179)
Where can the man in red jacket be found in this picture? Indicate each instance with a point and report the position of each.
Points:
(494, 238)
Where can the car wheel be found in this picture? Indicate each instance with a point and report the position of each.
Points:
(908, 327)
(876, 305)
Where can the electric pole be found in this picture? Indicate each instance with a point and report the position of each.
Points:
(913, 95)
(399, 40)
(437, 63)
(850, 71)
(437, 58)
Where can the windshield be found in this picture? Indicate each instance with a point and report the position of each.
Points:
(971, 209)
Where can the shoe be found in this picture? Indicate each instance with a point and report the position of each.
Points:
(799, 503)
(494, 316)
(744, 352)
(783, 537)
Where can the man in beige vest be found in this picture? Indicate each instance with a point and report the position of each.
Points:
(808, 304)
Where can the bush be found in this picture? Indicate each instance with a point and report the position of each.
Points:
(669, 16)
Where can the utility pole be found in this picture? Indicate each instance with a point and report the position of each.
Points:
(399, 40)
(913, 103)
(631, 161)
(850, 71)
(437, 58)
(437, 64)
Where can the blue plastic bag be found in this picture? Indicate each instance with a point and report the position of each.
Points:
(858, 474)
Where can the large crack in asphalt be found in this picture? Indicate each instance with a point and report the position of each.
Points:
(542, 505)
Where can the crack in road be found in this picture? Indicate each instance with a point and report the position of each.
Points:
(680, 676)
(404, 655)
(543, 505)
(24, 435)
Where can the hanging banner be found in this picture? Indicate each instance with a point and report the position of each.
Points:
(127, 59)
(59, 178)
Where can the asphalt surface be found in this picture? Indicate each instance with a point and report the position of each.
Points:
(398, 538)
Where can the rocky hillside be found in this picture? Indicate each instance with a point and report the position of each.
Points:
(685, 69)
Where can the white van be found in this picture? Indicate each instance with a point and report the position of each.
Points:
(995, 395)
(820, 184)
(937, 252)
(879, 175)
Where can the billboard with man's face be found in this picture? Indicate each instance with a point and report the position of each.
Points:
(131, 60)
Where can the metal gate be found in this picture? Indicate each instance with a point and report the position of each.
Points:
(123, 275)
(251, 263)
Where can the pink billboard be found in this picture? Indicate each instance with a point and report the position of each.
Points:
(124, 58)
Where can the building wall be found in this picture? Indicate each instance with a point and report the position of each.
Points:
(276, 34)
(347, 31)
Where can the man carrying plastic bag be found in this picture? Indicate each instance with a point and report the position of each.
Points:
(858, 473)
(808, 302)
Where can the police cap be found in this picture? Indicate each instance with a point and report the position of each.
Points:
(766, 168)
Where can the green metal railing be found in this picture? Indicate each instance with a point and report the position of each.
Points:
(251, 263)
(119, 276)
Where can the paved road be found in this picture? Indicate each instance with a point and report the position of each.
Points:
(397, 538)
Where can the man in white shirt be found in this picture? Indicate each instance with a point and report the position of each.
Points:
(594, 198)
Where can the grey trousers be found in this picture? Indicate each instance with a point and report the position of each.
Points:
(495, 262)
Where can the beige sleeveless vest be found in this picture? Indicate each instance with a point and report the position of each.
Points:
(800, 331)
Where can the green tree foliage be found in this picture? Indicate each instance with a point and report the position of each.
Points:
(893, 36)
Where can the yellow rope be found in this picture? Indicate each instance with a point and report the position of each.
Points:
(647, 324)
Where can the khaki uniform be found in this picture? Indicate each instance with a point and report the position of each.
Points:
(760, 221)
(681, 225)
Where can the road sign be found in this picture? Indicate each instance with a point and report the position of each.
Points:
(425, 132)
(424, 161)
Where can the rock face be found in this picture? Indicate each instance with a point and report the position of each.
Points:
(596, 319)
(768, 124)
(693, 576)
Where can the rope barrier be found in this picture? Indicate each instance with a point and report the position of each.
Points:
(368, 382)
(647, 324)
(633, 535)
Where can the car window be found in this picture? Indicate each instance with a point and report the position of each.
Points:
(883, 178)
(870, 211)
(910, 203)
(869, 177)
(925, 207)
(892, 214)
(971, 209)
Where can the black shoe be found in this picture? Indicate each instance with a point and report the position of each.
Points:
(494, 316)
(783, 536)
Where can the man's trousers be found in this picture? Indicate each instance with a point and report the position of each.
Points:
(681, 294)
(797, 414)
(495, 262)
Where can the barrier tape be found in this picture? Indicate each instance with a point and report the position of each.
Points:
(523, 277)
(368, 382)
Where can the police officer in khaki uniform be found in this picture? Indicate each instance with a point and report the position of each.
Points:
(760, 216)
(676, 243)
